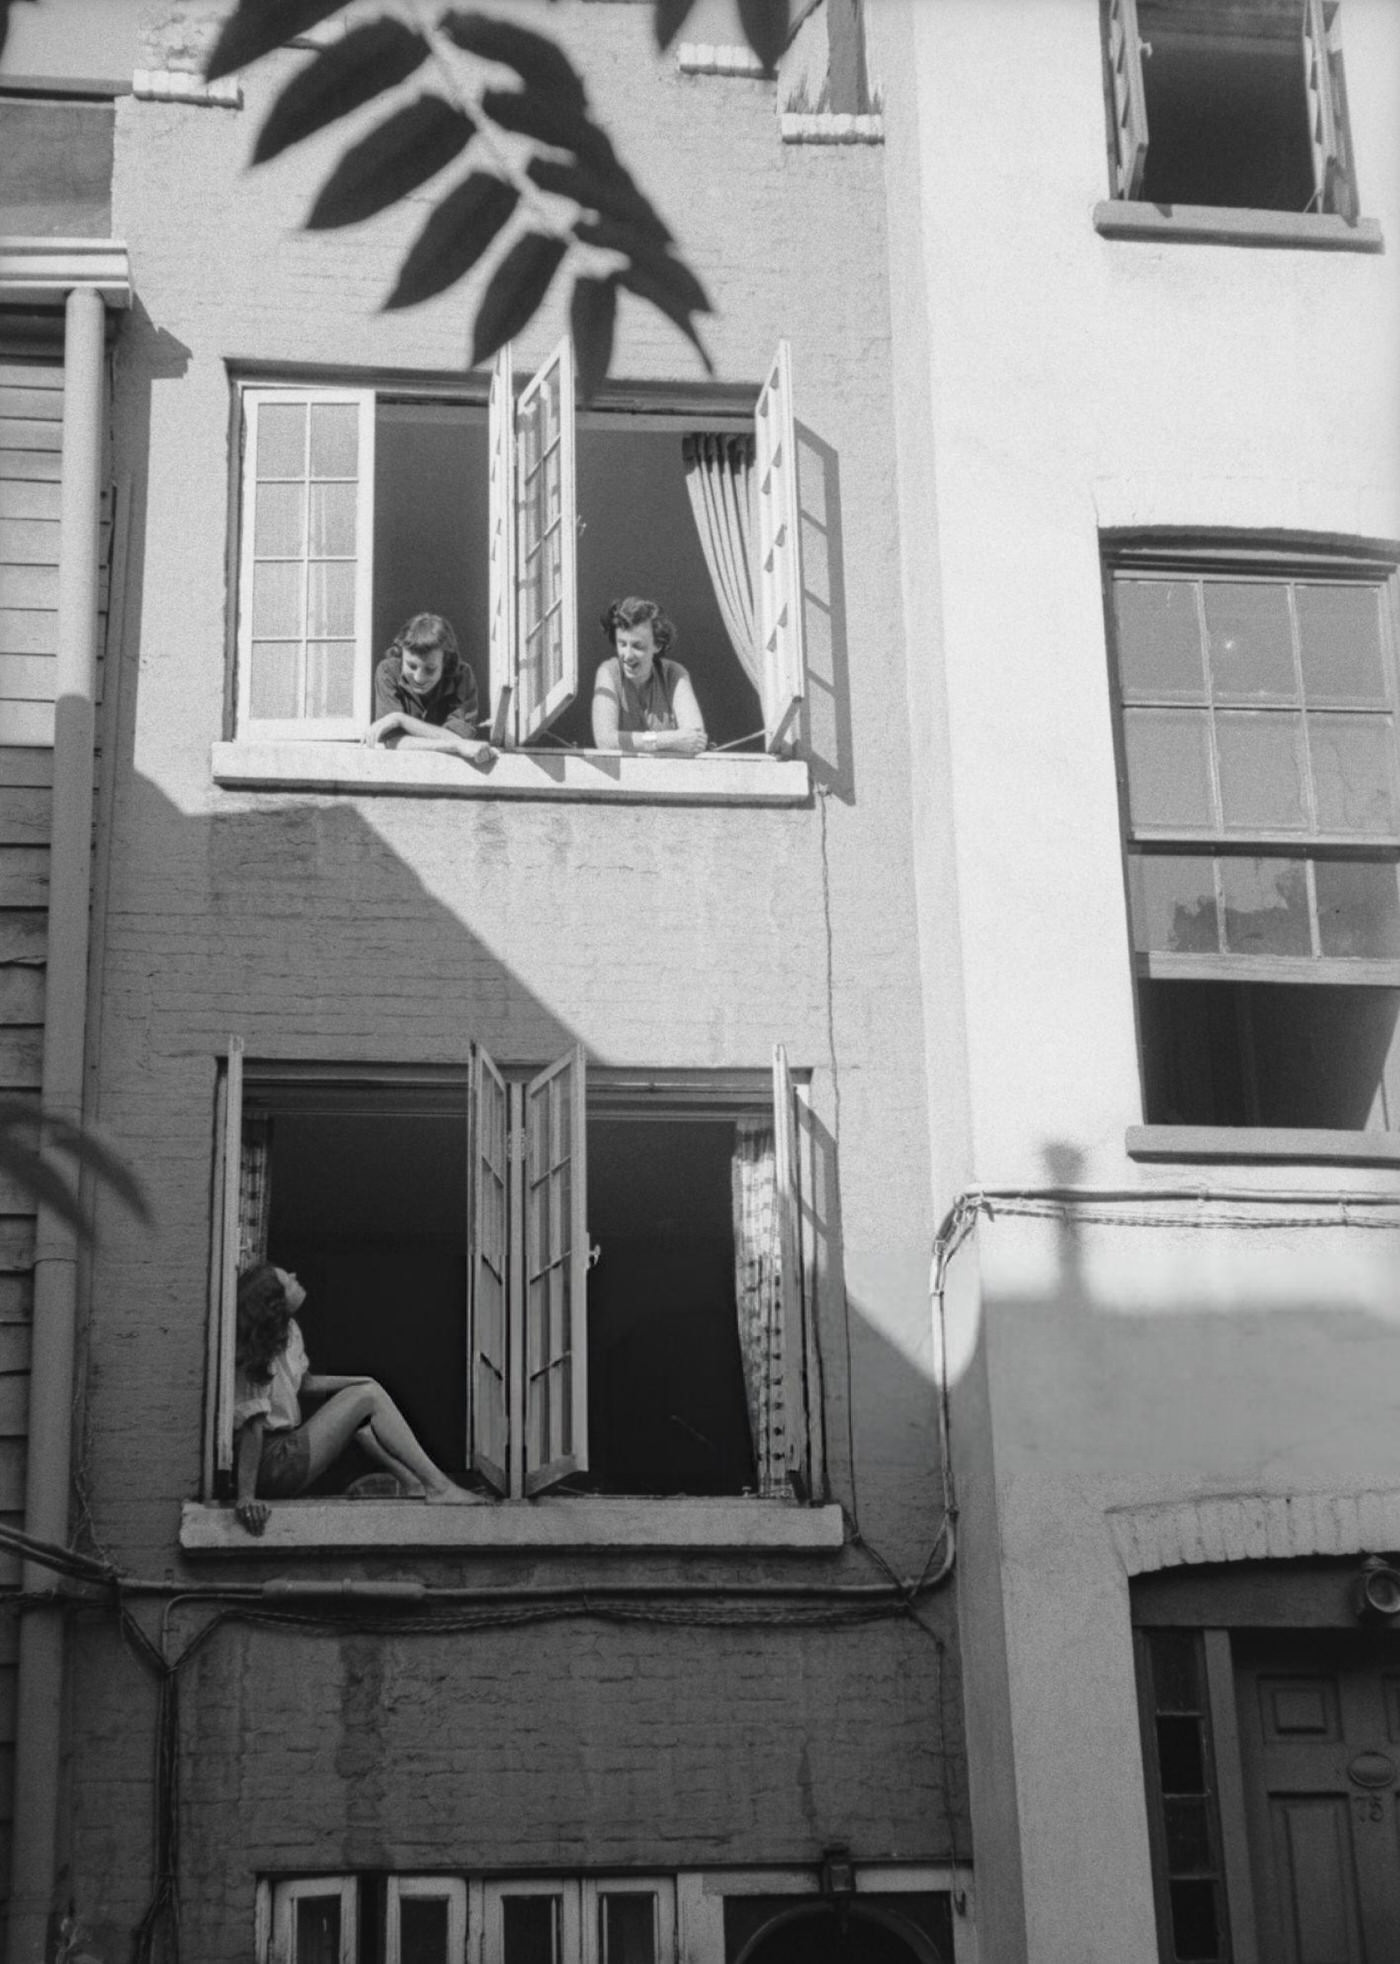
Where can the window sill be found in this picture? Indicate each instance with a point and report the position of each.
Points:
(575, 1525)
(591, 775)
(1118, 218)
(1245, 1142)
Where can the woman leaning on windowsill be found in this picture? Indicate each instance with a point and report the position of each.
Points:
(642, 701)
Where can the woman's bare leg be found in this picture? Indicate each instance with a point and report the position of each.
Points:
(333, 1425)
(409, 1483)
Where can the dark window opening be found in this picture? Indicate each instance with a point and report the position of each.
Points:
(1228, 121)
(58, 168)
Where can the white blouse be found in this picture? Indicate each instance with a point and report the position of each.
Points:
(275, 1402)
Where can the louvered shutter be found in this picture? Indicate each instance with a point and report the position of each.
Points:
(1129, 96)
(555, 1279)
(780, 628)
(502, 551)
(488, 1424)
(788, 1201)
(1324, 124)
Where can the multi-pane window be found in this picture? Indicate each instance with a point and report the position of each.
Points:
(596, 1279)
(1241, 105)
(1261, 782)
(1183, 1806)
(519, 517)
(434, 1919)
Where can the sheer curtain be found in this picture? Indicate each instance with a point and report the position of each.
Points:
(253, 1193)
(719, 478)
(757, 1281)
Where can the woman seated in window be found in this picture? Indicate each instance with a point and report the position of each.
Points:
(425, 694)
(642, 700)
(278, 1453)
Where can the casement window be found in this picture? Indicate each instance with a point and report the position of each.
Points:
(445, 1919)
(598, 1280)
(519, 517)
(1260, 779)
(1240, 105)
(1269, 1730)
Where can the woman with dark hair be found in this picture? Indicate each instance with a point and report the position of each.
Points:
(279, 1453)
(642, 700)
(425, 694)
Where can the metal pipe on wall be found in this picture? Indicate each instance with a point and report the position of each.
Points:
(38, 1727)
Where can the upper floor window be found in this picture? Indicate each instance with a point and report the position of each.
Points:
(519, 519)
(1261, 789)
(1238, 105)
(563, 1280)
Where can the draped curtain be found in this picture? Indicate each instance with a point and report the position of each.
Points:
(719, 478)
(253, 1191)
(758, 1279)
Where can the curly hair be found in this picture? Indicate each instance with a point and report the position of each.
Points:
(264, 1319)
(430, 631)
(634, 612)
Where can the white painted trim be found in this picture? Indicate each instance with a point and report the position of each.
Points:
(1254, 1527)
(823, 126)
(1123, 218)
(181, 85)
(572, 1525)
(719, 778)
(707, 58)
(48, 270)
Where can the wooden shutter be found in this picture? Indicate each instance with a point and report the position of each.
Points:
(1324, 124)
(554, 1283)
(488, 1266)
(223, 1278)
(780, 635)
(546, 624)
(306, 580)
(1129, 97)
(502, 550)
(788, 1200)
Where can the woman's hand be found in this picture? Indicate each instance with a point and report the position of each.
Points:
(253, 1515)
(480, 754)
(386, 726)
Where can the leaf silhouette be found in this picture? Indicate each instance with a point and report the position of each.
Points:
(517, 287)
(541, 64)
(256, 27)
(639, 279)
(611, 193)
(34, 1173)
(368, 62)
(643, 250)
(548, 120)
(454, 238)
(592, 318)
(765, 25)
(394, 159)
(669, 20)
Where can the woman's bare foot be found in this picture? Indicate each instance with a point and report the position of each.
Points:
(451, 1495)
(411, 1489)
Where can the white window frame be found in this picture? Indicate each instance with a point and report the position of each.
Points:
(304, 729)
(580, 1900)
(433, 1888)
(521, 1442)
(1319, 54)
(276, 1912)
(521, 713)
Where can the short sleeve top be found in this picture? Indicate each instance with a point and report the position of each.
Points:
(275, 1402)
(450, 704)
(650, 705)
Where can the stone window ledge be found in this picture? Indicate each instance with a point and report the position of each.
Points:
(707, 58)
(574, 1525)
(824, 126)
(588, 775)
(1279, 1143)
(1325, 231)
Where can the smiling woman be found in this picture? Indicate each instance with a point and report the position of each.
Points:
(643, 701)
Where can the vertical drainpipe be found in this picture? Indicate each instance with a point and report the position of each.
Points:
(38, 1728)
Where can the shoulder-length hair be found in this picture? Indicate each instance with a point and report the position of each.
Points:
(430, 631)
(264, 1320)
(635, 612)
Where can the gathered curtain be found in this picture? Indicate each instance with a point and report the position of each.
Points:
(719, 477)
(253, 1194)
(758, 1288)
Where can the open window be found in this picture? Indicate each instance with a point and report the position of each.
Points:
(519, 517)
(1261, 795)
(563, 1284)
(1241, 105)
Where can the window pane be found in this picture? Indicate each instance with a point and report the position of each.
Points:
(1159, 640)
(1358, 907)
(1353, 762)
(335, 439)
(1261, 780)
(1176, 1673)
(1188, 1837)
(1168, 767)
(330, 608)
(277, 599)
(1173, 903)
(318, 1930)
(330, 678)
(1195, 1925)
(531, 1929)
(272, 681)
(279, 521)
(423, 1930)
(281, 439)
(333, 520)
(1179, 1755)
(1250, 638)
(627, 1928)
(1339, 635)
(1266, 906)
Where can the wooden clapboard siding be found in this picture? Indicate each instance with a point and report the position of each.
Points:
(31, 445)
